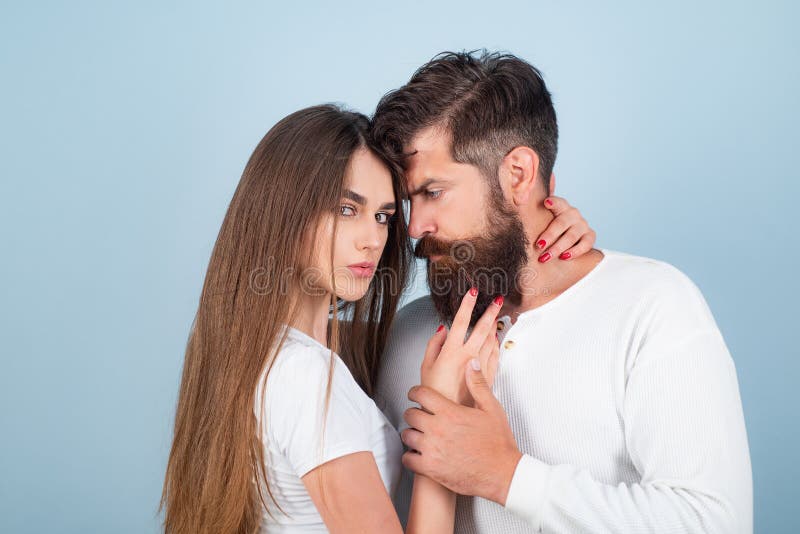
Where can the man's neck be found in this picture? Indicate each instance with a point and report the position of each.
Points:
(539, 283)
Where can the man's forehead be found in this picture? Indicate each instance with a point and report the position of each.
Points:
(429, 141)
(426, 155)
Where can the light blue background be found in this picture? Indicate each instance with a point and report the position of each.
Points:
(125, 127)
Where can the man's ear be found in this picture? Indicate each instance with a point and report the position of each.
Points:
(521, 165)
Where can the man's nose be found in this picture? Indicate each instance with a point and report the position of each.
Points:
(420, 223)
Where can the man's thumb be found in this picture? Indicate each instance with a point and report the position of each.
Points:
(478, 386)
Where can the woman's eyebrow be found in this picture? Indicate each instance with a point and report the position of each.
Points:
(355, 197)
(359, 199)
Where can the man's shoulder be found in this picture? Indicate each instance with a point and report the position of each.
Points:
(412, 327)
(656, 285)
(418, 312)
(409, 333)
(647, 274)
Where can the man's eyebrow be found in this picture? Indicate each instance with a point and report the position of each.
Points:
(427, 183)
(358, 199)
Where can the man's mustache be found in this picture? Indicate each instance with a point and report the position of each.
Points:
(430, 246)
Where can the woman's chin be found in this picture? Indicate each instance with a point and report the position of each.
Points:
(354, 292)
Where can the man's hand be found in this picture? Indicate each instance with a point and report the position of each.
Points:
(471, 451)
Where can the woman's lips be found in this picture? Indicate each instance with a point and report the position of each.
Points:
(362, 270)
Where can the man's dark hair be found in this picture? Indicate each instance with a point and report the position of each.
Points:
(488, 102)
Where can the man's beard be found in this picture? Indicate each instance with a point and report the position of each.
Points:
(490, 262)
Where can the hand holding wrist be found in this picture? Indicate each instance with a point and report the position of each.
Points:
(497, 489)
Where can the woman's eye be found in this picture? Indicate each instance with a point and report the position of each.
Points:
(347, 211)
(434, 194)
(383, 218)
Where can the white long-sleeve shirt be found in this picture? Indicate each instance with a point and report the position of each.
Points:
(623, 399)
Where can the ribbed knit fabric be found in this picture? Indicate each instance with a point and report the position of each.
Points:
(624, 399)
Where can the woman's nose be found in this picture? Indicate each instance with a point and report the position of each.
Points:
(372, 236)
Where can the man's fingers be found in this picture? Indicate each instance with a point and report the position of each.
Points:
(417, 418)
(479, 387)
(461, 321)
(413, 438)
(491, 366)
(413, 462)
(431, 401)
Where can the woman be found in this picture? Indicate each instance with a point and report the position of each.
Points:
(275, 429)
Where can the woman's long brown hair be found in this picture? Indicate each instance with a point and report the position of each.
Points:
(295, 176)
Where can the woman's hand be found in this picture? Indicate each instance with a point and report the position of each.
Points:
(447, 354)
(567, 236)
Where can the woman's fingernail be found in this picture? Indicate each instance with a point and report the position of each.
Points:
(548, 203)
(473, 291)
(441, 327)
(475, 364)
(544, 258)
(565, 256)
(499, 300)
(541, 243)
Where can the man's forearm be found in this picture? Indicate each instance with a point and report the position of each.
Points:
(565, 499)
(503, 468)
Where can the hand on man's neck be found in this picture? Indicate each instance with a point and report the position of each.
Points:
(539, 283)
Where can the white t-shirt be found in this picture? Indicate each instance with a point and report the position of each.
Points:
(294, 405)
(624, 400)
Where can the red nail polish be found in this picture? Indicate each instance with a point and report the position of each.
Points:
(541, 243)
(499, 300)
(473, 291)
(441, 327)
(549, 203)
(544, 257)
(565, 256)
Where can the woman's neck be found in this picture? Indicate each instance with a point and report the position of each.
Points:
(312, 318)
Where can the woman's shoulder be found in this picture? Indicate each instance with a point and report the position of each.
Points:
(300, 352)
(302, 369)
(297, 403)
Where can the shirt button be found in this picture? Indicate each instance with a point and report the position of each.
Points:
(501, 326)
(508, 345)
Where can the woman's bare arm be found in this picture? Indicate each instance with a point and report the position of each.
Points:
(351, 498)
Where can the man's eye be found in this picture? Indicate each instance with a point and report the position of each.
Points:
(347, 211)
(434, 194)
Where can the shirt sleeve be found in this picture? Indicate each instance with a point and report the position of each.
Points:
(307, 427)
(685, 434)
